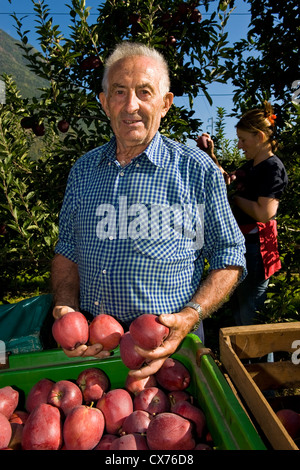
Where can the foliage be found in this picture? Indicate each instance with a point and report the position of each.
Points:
(28, 223)
(226, 151)
(268, 59)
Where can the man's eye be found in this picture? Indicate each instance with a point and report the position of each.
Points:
(145, 92)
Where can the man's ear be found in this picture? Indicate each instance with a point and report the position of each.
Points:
(103, 101)
(168, 101)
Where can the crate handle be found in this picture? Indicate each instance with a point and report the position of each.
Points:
(203, 352)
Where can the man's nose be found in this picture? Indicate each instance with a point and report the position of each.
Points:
(132, 102)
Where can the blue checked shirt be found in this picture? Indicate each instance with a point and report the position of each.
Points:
(134, 254)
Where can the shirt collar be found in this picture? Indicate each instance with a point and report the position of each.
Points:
(156, 151)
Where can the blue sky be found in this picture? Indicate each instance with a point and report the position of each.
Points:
(221, 94)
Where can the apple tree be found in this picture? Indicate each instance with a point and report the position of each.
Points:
(195, 47)
(28, 216)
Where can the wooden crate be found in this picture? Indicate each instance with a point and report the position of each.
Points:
(237, 345)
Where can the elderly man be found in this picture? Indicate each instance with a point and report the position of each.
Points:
(140, 216)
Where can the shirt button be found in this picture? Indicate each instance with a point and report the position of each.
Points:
(111, 237)
(121, 173)
(103, 271)
(96, 303)
(137, 165)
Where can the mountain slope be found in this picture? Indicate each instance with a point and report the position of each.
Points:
(13, 63)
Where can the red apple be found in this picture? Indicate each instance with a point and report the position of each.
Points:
(134, 441)
(179, 395)
(105, 330)
(5, 431)
(290, 420)
(38, 394)
(27, 122)
(137, 421)
(93, 382)
(168, 431)
(134, 385)
(171, 41)
(43, 429)
(83, 428)
(105, 442)
(90, 63)
(202, 142)
(193, 414)
(63, 125)
(71, 330)
(173, 375)
(65, 395)
(130, 357)
(196, 16)
(9, 398)
(39, 129)
(147, 332)
(152, 399)
(116, 405)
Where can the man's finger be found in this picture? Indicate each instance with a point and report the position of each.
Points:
(60, 310)
(77, 352)
(149, 369)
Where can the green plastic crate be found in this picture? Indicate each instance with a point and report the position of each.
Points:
(229, 425)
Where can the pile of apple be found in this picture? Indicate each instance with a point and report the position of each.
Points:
(156, 413)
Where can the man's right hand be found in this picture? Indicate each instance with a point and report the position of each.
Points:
(84, 350)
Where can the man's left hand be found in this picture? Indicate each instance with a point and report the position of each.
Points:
(180, 325)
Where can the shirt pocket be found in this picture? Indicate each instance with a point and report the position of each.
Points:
(165, 250)
(169, 233)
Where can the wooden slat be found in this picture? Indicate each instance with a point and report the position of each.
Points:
(274, 375)
(258, 340)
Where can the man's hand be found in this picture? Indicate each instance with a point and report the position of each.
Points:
(84, 350)
(229, 178)
(180, 325)
(95, 350)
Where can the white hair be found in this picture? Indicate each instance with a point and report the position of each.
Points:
(130, 49)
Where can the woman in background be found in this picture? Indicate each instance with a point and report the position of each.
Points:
(259, 185)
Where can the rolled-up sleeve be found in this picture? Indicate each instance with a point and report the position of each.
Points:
(66, 244)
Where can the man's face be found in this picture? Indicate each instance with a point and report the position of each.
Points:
(134, 102)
